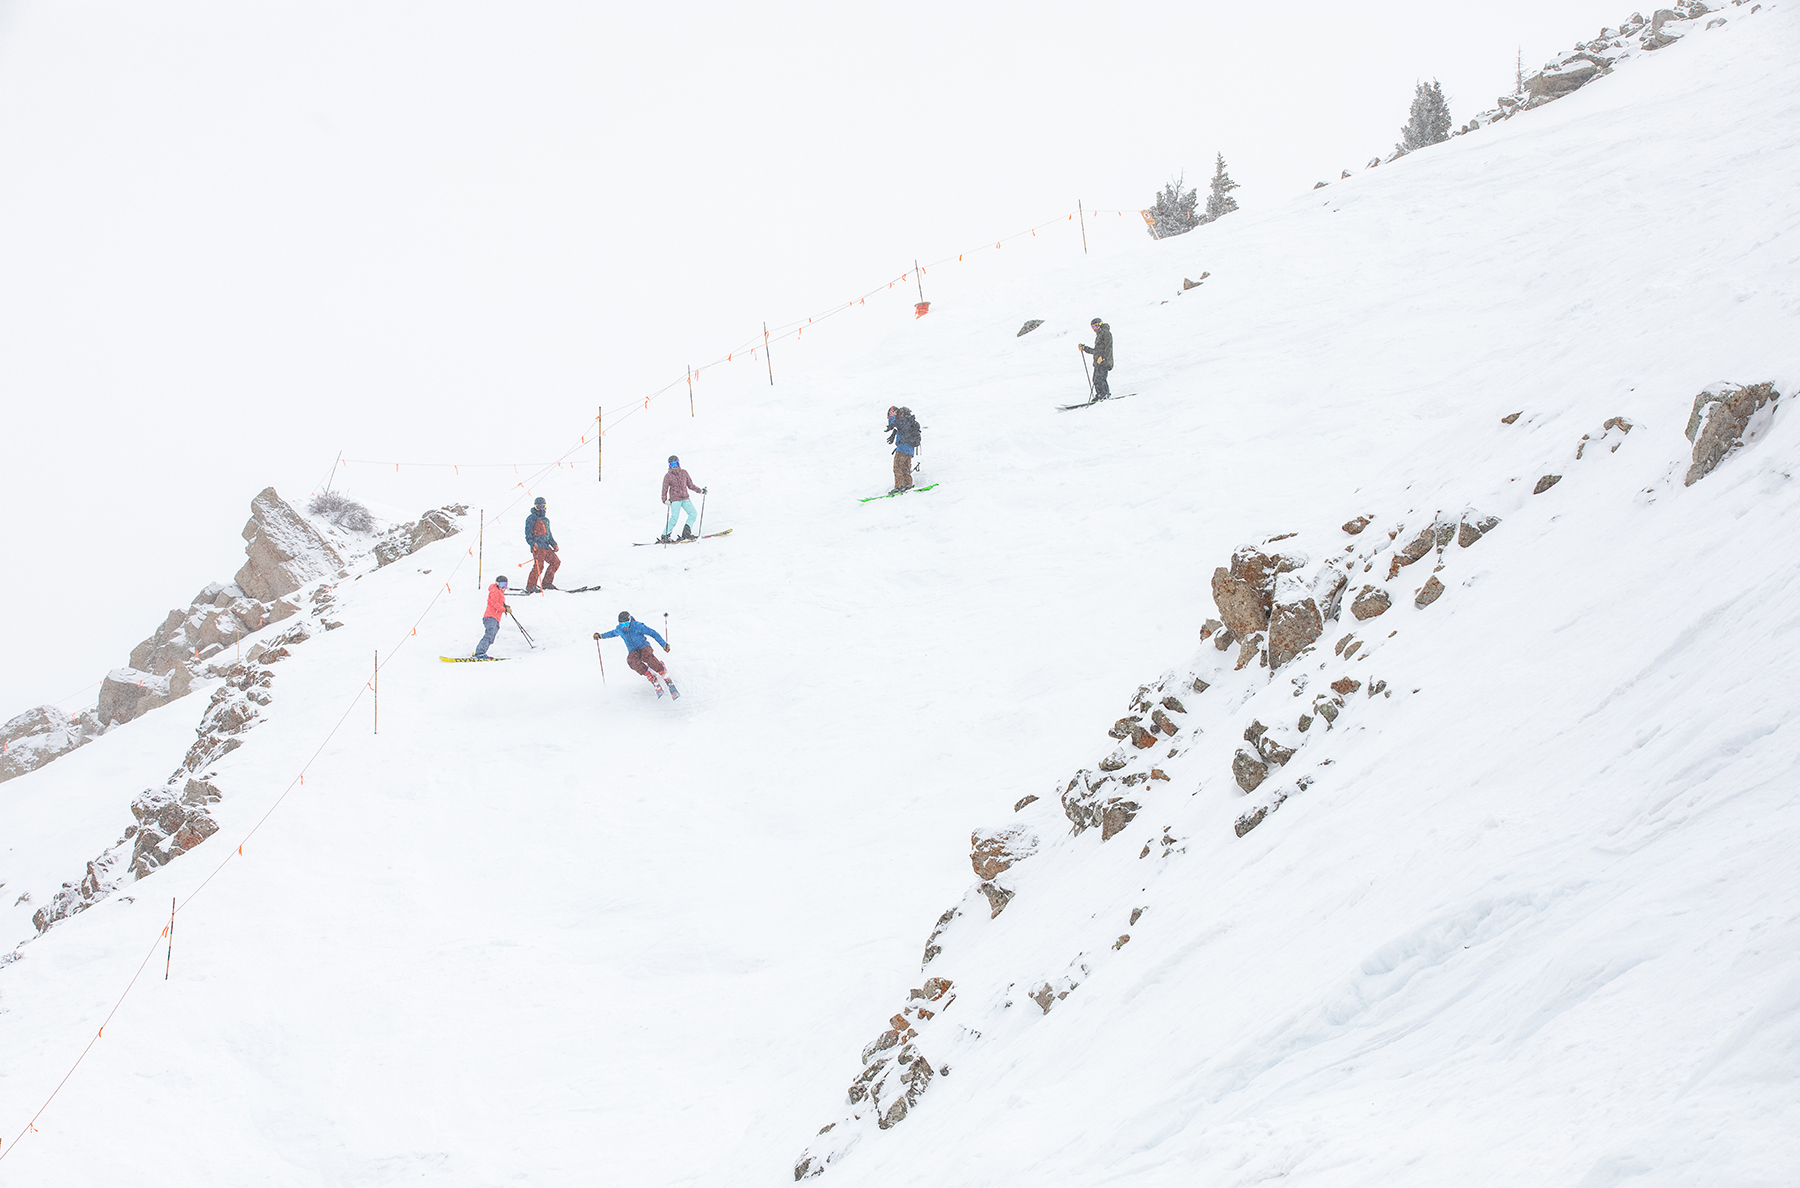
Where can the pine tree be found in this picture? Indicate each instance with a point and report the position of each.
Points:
(1218, 199)
(1430, 121)
(1173, 211)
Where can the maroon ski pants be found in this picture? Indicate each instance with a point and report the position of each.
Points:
(543, 561)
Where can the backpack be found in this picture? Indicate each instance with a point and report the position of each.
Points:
(908, 426)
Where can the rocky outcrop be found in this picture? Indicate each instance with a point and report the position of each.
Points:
(1369, 602)
(993, 851)
(1545, 483)
(1429, 593)
(285, 551)
(1722, 421)
(126, 693)
(170, 823)
(433, 526)
(35, 737)
(1294, 620)
(1087, 804)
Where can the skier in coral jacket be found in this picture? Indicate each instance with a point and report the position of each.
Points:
(490, 618)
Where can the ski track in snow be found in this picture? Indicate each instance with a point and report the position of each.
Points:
(1534, 923)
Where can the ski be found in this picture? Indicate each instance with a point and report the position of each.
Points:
(657, 685)
(471, 659)
(891, 494)
(674, 693)
(576, 590)
(1091, 403)
(690, 540)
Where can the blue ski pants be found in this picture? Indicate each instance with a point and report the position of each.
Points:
(675, 509)
(489, 629)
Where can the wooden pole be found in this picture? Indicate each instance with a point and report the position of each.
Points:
(599, 444)
(1082, 215)
(480, 549)
(919, 278)
(169, 957)
(766, 357)
(332, 477)
(690, 372)
(375, 686)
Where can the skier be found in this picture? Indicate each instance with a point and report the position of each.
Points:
(543, 548)
(1102, 351)
(638, 654)
(490, 618)
(903, 435)
(678, 484)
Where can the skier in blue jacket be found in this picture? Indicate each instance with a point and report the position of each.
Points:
(638, 654)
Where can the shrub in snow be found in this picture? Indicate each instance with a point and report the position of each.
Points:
(341, 510)
(1429, 121)
(1173, 212)
(1218, 198)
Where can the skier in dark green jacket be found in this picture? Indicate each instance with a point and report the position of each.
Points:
(1102, 351)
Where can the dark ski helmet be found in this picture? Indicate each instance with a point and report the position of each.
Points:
(538, 502)
(624, 616)
(674, 461)
(500, 581)
(1097, 322)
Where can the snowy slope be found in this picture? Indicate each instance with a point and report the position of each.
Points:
(1534, 922)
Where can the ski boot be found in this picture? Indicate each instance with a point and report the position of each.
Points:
(665, 538)
(687, 532)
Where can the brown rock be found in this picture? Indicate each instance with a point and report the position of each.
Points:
(1545, 483)
(1716, 426)
(997, 896)
(1163, 723)
(1173, 706)
(1370, 602)
(1124, 726)
(1156, 773)
(1429, 593)
(1294, 622)
(1124, 939)
(1344, 686)
(1273, 752)
(1248, 649)
(1142, 739)
(1116, 815)
(285, 552)
(1023, 801)
(993, 851)
(1355, 527)
(1250, 820)
(1249, 770)
(1242, 592)
(1510, 419)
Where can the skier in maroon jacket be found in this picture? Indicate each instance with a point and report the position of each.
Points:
(677, 485)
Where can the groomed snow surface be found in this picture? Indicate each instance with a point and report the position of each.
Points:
(1535, 922)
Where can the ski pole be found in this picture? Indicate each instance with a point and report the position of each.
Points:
(665, 627)
(600, 657)
(701, 530)
(521, 628)
(1090, 379)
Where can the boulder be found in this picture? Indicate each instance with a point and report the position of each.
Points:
(997, 896)
(1028, 327)
(1294, 620)
(1344, 686)
(1249, 770)
(1355, 527)
(1719, 422)
(1023, 801)
(993, 851)
(285, 552)
(1369, 602)
(1429, 593)
(127, 693)
(1507, 420)
(1545, 483)
(1115, 815)
(1242, 592)
(1555, 82)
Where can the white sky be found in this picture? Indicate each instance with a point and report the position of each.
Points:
(237, 239)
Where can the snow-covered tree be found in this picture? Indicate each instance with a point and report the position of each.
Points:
(1173, 211)
(1218, 199)
(1430, 120)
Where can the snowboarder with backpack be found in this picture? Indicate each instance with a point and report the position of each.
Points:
(490, 618)
(1102, 351)
(543, 549)
(903, 434)
(677, 485)
(638, 654)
